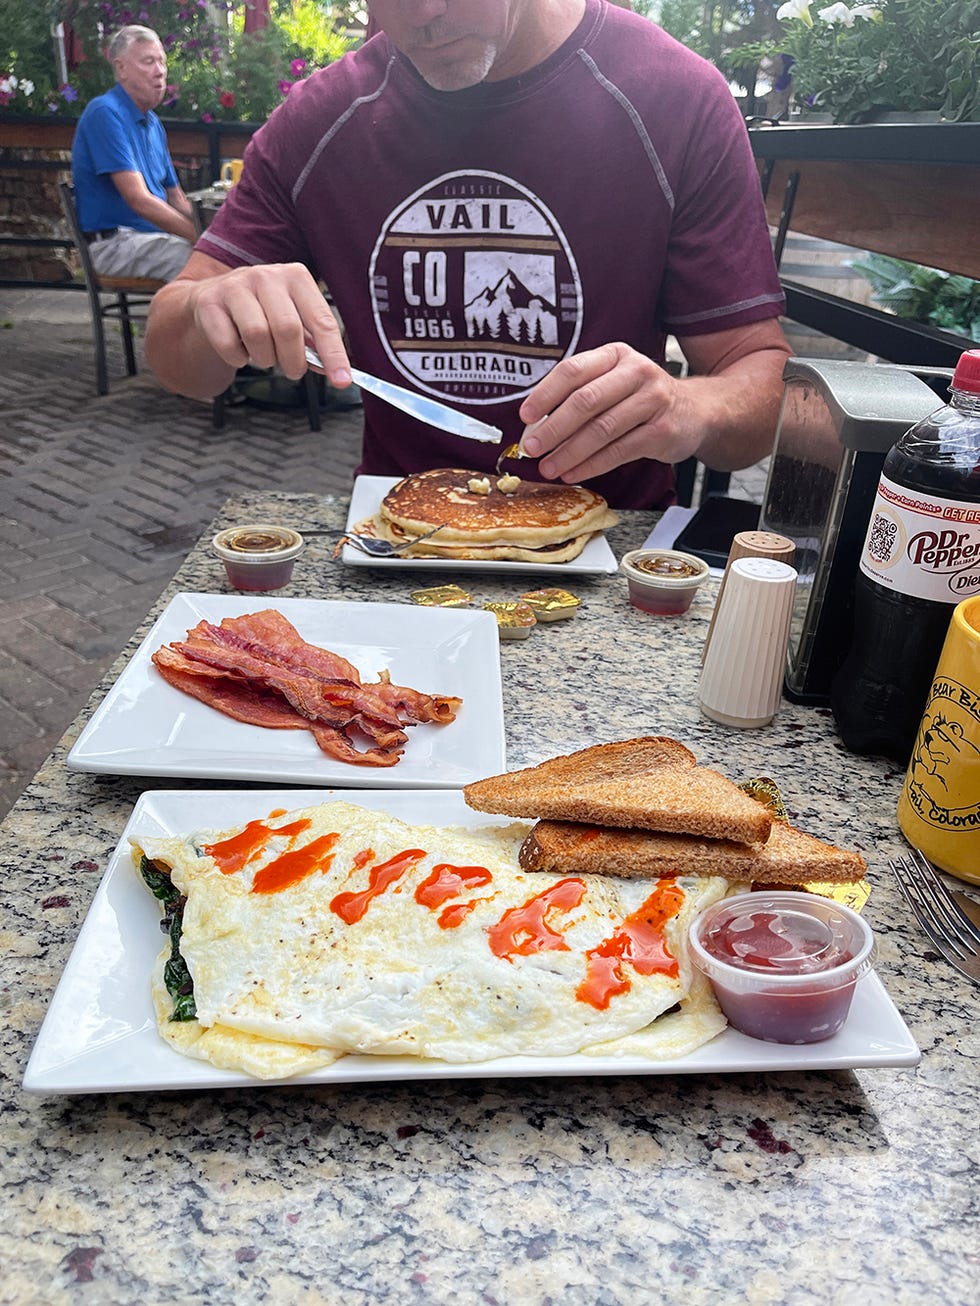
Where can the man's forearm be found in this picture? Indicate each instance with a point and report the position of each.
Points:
(132, 187)
(737, 409)
(166, 217)
(176, 348)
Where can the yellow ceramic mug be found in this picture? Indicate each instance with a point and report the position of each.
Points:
(939, 808)
(231, 171)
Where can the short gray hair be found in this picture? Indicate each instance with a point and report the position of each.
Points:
(127, 36)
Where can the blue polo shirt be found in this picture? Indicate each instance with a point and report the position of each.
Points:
(113, 135)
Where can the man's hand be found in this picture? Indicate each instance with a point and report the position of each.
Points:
(265, 315)
(174, 218)
(211, 321)
(602, 408)
(608, 406)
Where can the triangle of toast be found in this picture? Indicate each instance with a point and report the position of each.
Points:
(650, 783)
(788, 856)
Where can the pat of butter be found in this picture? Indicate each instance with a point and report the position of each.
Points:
(508, 484)
(442, 596)
(478, 485)
(514, 620)
(551, 605)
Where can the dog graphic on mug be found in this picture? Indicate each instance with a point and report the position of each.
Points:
(941, 744)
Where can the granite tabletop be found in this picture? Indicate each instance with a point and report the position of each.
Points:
(801, 1186)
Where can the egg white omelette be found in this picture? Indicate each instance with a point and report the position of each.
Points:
(333, 929)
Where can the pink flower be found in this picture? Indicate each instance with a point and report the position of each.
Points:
(285, 87)
(298, 67)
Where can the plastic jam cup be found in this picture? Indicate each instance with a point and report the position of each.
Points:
(663, 581)
(783, 965)
(259, 556)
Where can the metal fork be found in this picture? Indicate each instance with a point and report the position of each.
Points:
(949, 928)
(383, 548)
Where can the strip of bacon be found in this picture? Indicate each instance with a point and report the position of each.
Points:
(257, 669)
(234, 698)
(336, 744)
(269, 635)
(255, 702)
(413, 705)
(310, 696)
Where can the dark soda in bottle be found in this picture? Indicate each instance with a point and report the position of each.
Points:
(921, 556)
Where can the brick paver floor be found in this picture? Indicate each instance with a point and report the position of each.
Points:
(100, 499)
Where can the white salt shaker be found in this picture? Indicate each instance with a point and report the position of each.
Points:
(742, 676)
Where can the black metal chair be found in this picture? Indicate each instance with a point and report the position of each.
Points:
(121, 299)
(126, 300)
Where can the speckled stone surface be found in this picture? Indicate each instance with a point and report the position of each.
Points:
(835, 1186)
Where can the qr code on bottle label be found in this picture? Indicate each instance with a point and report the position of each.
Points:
(882, 538)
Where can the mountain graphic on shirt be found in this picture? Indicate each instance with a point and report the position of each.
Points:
(509, 311)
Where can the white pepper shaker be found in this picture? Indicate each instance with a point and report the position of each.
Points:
(742, 676)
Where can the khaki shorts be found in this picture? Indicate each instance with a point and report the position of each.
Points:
(132, 253)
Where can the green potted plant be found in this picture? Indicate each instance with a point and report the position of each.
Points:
(860, 62)
(218, 72)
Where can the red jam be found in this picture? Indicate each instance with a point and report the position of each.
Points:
(789, 942)
(786, 1017)
(783, 965)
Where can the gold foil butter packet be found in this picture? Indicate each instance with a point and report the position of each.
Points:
(551, 604)
(442, 596)
(514, 620)
(766, 792)
(848, 894)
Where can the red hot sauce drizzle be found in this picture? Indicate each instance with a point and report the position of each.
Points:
(351, 907)
(232, 854)
(453, 916)
(446, 881)
(524, 930)
(639, 941)
(296, 865)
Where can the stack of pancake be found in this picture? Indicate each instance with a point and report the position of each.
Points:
(525, 521)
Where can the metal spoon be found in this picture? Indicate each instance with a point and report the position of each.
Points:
(367, 543)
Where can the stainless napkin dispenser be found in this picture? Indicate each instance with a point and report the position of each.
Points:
(836, 423)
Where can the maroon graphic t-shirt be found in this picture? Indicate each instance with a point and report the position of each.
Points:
(472, 239)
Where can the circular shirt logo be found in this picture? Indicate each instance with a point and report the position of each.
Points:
(474, 289)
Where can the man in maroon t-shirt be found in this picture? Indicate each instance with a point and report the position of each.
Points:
(513, 203)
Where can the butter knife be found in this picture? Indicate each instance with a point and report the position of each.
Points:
(425, 409)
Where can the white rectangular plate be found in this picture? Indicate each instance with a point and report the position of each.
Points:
(144, 726)
(596, 559)
(99, 1035)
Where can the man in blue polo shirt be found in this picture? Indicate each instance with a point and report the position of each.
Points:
(134, 213)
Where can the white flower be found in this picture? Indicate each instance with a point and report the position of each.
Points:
(27, 87)
(839, 13)
(795, 9)
(6, 86)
